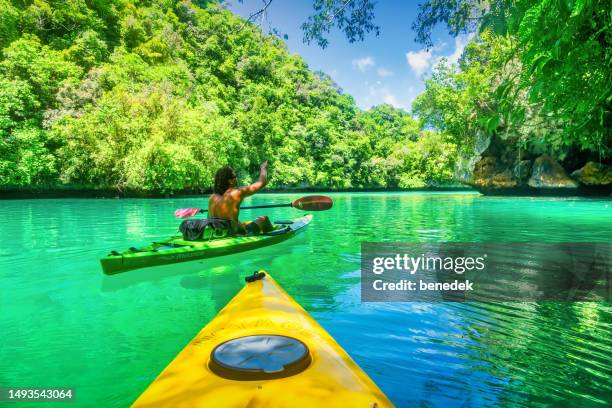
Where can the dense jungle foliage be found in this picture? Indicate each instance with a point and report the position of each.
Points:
(538, 74)
(155, 95)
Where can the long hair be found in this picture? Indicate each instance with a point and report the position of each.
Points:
(222, 179)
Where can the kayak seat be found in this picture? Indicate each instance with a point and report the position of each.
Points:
(210, 228)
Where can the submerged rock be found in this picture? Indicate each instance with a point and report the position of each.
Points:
(548, 173)
(594, 174)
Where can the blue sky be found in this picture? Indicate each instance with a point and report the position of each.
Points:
(388, 68)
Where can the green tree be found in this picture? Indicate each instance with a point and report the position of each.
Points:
(560, 60)
(154, 96)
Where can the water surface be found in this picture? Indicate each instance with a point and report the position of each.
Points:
(65, 324)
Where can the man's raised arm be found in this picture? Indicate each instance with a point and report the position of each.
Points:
(259, 184)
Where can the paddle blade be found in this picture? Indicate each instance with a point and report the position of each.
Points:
(313, 203)
(186, 212)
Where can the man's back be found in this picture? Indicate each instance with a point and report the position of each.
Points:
(226, 205)
(226, 199)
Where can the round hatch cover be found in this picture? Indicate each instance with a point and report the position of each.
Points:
(259, 357)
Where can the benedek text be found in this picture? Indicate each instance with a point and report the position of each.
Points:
(405, 284)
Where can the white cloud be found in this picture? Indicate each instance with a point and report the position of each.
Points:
(384, 72)
(424, 60)
(391, 100)
(378, 94)
(363, 64)
(460, 43)
(419, 61)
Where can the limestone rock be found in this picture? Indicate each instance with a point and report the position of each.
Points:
(594, 174)
(548, 173)
(522, 171)
(488, 173)
(464, 168)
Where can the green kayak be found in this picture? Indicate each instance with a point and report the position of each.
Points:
(176, 249)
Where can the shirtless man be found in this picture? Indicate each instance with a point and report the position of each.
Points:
(226, 198)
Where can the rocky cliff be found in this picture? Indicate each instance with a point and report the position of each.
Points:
(497, 166)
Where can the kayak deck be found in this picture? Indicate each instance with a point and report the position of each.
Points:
(328, 377)
(176, 249)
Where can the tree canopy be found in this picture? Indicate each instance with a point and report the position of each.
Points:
(154, 95)
(547, 66)
(538, 72)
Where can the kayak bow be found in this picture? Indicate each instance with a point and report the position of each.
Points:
(176, 249)
(263, 349)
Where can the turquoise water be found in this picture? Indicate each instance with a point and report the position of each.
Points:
(65, 324)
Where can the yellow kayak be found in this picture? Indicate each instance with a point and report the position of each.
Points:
(262, 349)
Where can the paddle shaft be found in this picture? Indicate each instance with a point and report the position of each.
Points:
(308, 203)
(260, 206)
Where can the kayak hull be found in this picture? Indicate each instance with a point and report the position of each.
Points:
(331, 379)
(194, 250)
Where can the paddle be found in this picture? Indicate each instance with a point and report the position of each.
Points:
(308, 203)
